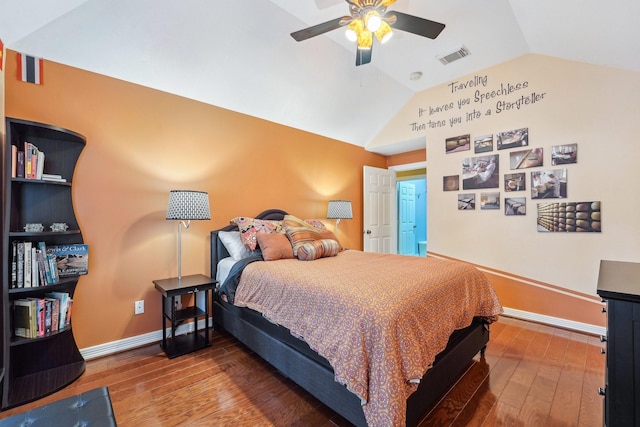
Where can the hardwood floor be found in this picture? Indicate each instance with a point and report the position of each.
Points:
(531, 375)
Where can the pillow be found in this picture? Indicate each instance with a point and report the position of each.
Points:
(328, 234)
(274, 246)
(316, 223)
(249, 227)
(325, 233)
(231, 240)
(299, 232)
(318, 249)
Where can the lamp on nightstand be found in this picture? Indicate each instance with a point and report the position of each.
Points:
(339, 209)
(187, 205)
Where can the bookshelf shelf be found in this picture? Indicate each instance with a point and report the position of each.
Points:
(27, 374)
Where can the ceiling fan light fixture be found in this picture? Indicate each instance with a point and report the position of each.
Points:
(384, 33)
(372, 20)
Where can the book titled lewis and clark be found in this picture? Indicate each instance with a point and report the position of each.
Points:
(71, 260)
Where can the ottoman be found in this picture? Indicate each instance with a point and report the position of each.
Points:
(92, 409)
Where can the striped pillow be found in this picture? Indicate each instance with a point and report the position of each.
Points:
(299, 232)
(318, 249)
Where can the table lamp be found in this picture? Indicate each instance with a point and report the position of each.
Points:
(339, 209)
(187, 205)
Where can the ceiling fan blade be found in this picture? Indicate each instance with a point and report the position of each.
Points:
(420, 26)
(316, 30)
(363, 56)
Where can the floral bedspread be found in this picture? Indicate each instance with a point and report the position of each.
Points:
(378, 319)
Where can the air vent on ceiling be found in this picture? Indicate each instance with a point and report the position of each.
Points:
(454, 56)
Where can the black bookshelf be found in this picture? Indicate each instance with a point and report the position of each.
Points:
(35, 367)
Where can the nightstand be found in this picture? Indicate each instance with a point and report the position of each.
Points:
(173, 288)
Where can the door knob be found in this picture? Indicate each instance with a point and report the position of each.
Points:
(368, 231)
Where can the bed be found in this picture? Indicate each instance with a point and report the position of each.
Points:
(285, 349)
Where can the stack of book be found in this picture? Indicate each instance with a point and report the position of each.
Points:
(29, 164)
(37, 317)
(34, 265)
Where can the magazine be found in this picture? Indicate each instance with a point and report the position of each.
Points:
(71, 260)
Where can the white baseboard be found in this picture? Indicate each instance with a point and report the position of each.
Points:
(555, 321)
(136, 341)
(156, 336)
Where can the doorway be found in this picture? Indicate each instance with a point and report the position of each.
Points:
(411, 196)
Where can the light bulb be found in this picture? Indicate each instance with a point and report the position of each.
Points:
(372, 21)
(353, 30)
(384, 33)
(351, 35)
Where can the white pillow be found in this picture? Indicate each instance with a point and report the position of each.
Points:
(224, 268)
(235, 247)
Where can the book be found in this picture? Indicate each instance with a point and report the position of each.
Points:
(14, 264)
(39, 316)
(42, 268)
(53, 177)
(48, 178)
(63, 307)
(46, 264)
(23, 319)
(33, 153)
(20, 165)
(40, 165)
(14, 161)
(71, 260)
(35, 271)
(55, 313)
(20, 265)
(27, 160)
(27, 264)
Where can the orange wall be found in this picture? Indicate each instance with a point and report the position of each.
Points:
(407, 158)
(141, 143)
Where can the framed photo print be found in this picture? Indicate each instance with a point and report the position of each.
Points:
(564, 154)
(483, 144)
(515, 206)
(569, 217)
(551, 184)
(466, 202)
(451, 183)
(515, 182)
(481, 172)
(458, 143)
(513, 138)
(526, 158)
(489, 200)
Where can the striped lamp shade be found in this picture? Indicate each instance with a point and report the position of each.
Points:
(339, 209)
(188, 205)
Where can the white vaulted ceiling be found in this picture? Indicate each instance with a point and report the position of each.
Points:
(239, 55)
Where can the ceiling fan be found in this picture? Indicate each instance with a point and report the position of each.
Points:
(370, 18)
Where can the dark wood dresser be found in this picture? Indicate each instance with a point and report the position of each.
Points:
(619, 287)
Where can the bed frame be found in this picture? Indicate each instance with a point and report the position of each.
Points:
(293, 357)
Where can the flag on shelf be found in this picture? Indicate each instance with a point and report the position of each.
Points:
(30, 69)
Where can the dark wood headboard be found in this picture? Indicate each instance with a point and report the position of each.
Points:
(218, 251)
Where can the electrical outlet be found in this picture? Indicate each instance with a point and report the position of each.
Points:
(139, 307)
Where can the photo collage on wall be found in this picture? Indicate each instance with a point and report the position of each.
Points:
(482, 172)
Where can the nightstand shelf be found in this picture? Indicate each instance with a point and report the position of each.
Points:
(171, 290)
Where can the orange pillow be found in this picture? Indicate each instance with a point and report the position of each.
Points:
(274, 246)
(299, 232)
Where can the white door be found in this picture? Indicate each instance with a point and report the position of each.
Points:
(379, 210)
(407, 218)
